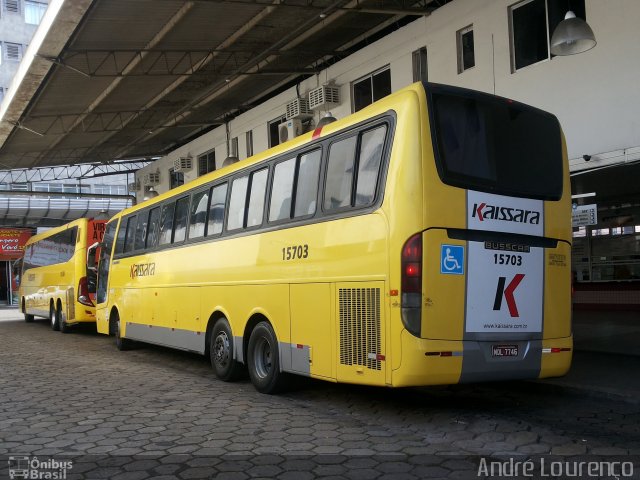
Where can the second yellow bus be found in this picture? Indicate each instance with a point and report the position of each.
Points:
(56, 282)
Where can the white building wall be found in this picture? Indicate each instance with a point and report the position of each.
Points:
(595, 94)
(13, 29)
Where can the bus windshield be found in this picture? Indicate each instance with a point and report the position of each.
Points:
(496, 145)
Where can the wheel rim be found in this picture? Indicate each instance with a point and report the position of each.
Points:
(117, 329)
(52, 314)
(221, 349)
(262, 357)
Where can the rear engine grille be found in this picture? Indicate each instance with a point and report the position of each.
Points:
(360, 327)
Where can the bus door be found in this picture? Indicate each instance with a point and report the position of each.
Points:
(95, 236)
(102, 280)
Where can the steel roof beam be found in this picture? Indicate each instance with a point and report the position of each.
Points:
(78, 171)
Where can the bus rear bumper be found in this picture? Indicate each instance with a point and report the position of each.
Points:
(438, 362)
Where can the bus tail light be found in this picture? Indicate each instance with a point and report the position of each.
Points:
(412, 284)
(83, 293)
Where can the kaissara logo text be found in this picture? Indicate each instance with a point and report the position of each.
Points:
(142, 270)
(494, 212)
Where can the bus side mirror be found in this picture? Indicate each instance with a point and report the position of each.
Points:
(91, 256)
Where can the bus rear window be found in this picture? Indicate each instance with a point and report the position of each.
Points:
(496, 145)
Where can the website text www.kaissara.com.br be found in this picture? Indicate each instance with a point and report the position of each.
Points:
(508, 326)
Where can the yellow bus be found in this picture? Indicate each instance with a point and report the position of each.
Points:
(57, 282)
(422, 240)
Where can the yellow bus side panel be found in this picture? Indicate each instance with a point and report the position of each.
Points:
(557, 292)
(239, 304)
(314, 326)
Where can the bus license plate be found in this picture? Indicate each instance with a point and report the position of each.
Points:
(504, 350)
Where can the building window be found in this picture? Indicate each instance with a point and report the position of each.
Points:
(420, 65)
(532, 24)
(249, 140)
(206, 162)
(373, 87)
(466, 53)
(175, 178)
(12, 51)
(274, 136)
(34, 11)
(234, 147)
(11, 6)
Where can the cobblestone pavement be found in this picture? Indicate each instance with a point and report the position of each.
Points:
(159, 413)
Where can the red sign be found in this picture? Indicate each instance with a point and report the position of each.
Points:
(12, 241)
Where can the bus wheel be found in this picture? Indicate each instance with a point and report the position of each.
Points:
(221, 352)
(121, 343)
(64, 326)
(53, 318)
(264, 361)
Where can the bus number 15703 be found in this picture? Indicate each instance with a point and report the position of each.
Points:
(295, 251)
(507, 259)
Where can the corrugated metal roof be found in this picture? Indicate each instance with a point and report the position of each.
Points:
(137, 78)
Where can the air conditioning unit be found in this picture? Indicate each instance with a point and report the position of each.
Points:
(151, 179)
(289, 130)
(183, 164)
(135, 186)
(324, 97)
(299, 108)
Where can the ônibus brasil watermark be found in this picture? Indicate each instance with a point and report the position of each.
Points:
(544, 467)
(37, 469)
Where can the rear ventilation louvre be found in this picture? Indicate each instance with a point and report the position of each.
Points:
(360, 327)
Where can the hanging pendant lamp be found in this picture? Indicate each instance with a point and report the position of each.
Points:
(572, 35)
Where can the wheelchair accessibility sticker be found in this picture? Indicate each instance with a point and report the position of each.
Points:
(452, 259)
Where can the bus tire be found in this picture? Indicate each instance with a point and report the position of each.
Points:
(264, 361)
(221, 352)
(53, 317)
(122, 344)
(64, 326)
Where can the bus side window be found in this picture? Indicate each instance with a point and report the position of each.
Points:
(141, 230)
(256, 197)
(166, 223)
(282, 190)
(369, 160)
(122, 232)
(153, 228)
(307, 183)
(198, 217)
(216, 211)
(130, 236)
(180, 223)
(237, 203)
(337, 193)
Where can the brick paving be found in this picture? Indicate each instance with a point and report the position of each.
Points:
(159, 413)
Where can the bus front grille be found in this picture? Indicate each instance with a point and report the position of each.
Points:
(360, 327)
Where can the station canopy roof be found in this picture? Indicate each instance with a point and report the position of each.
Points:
(119, 79)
